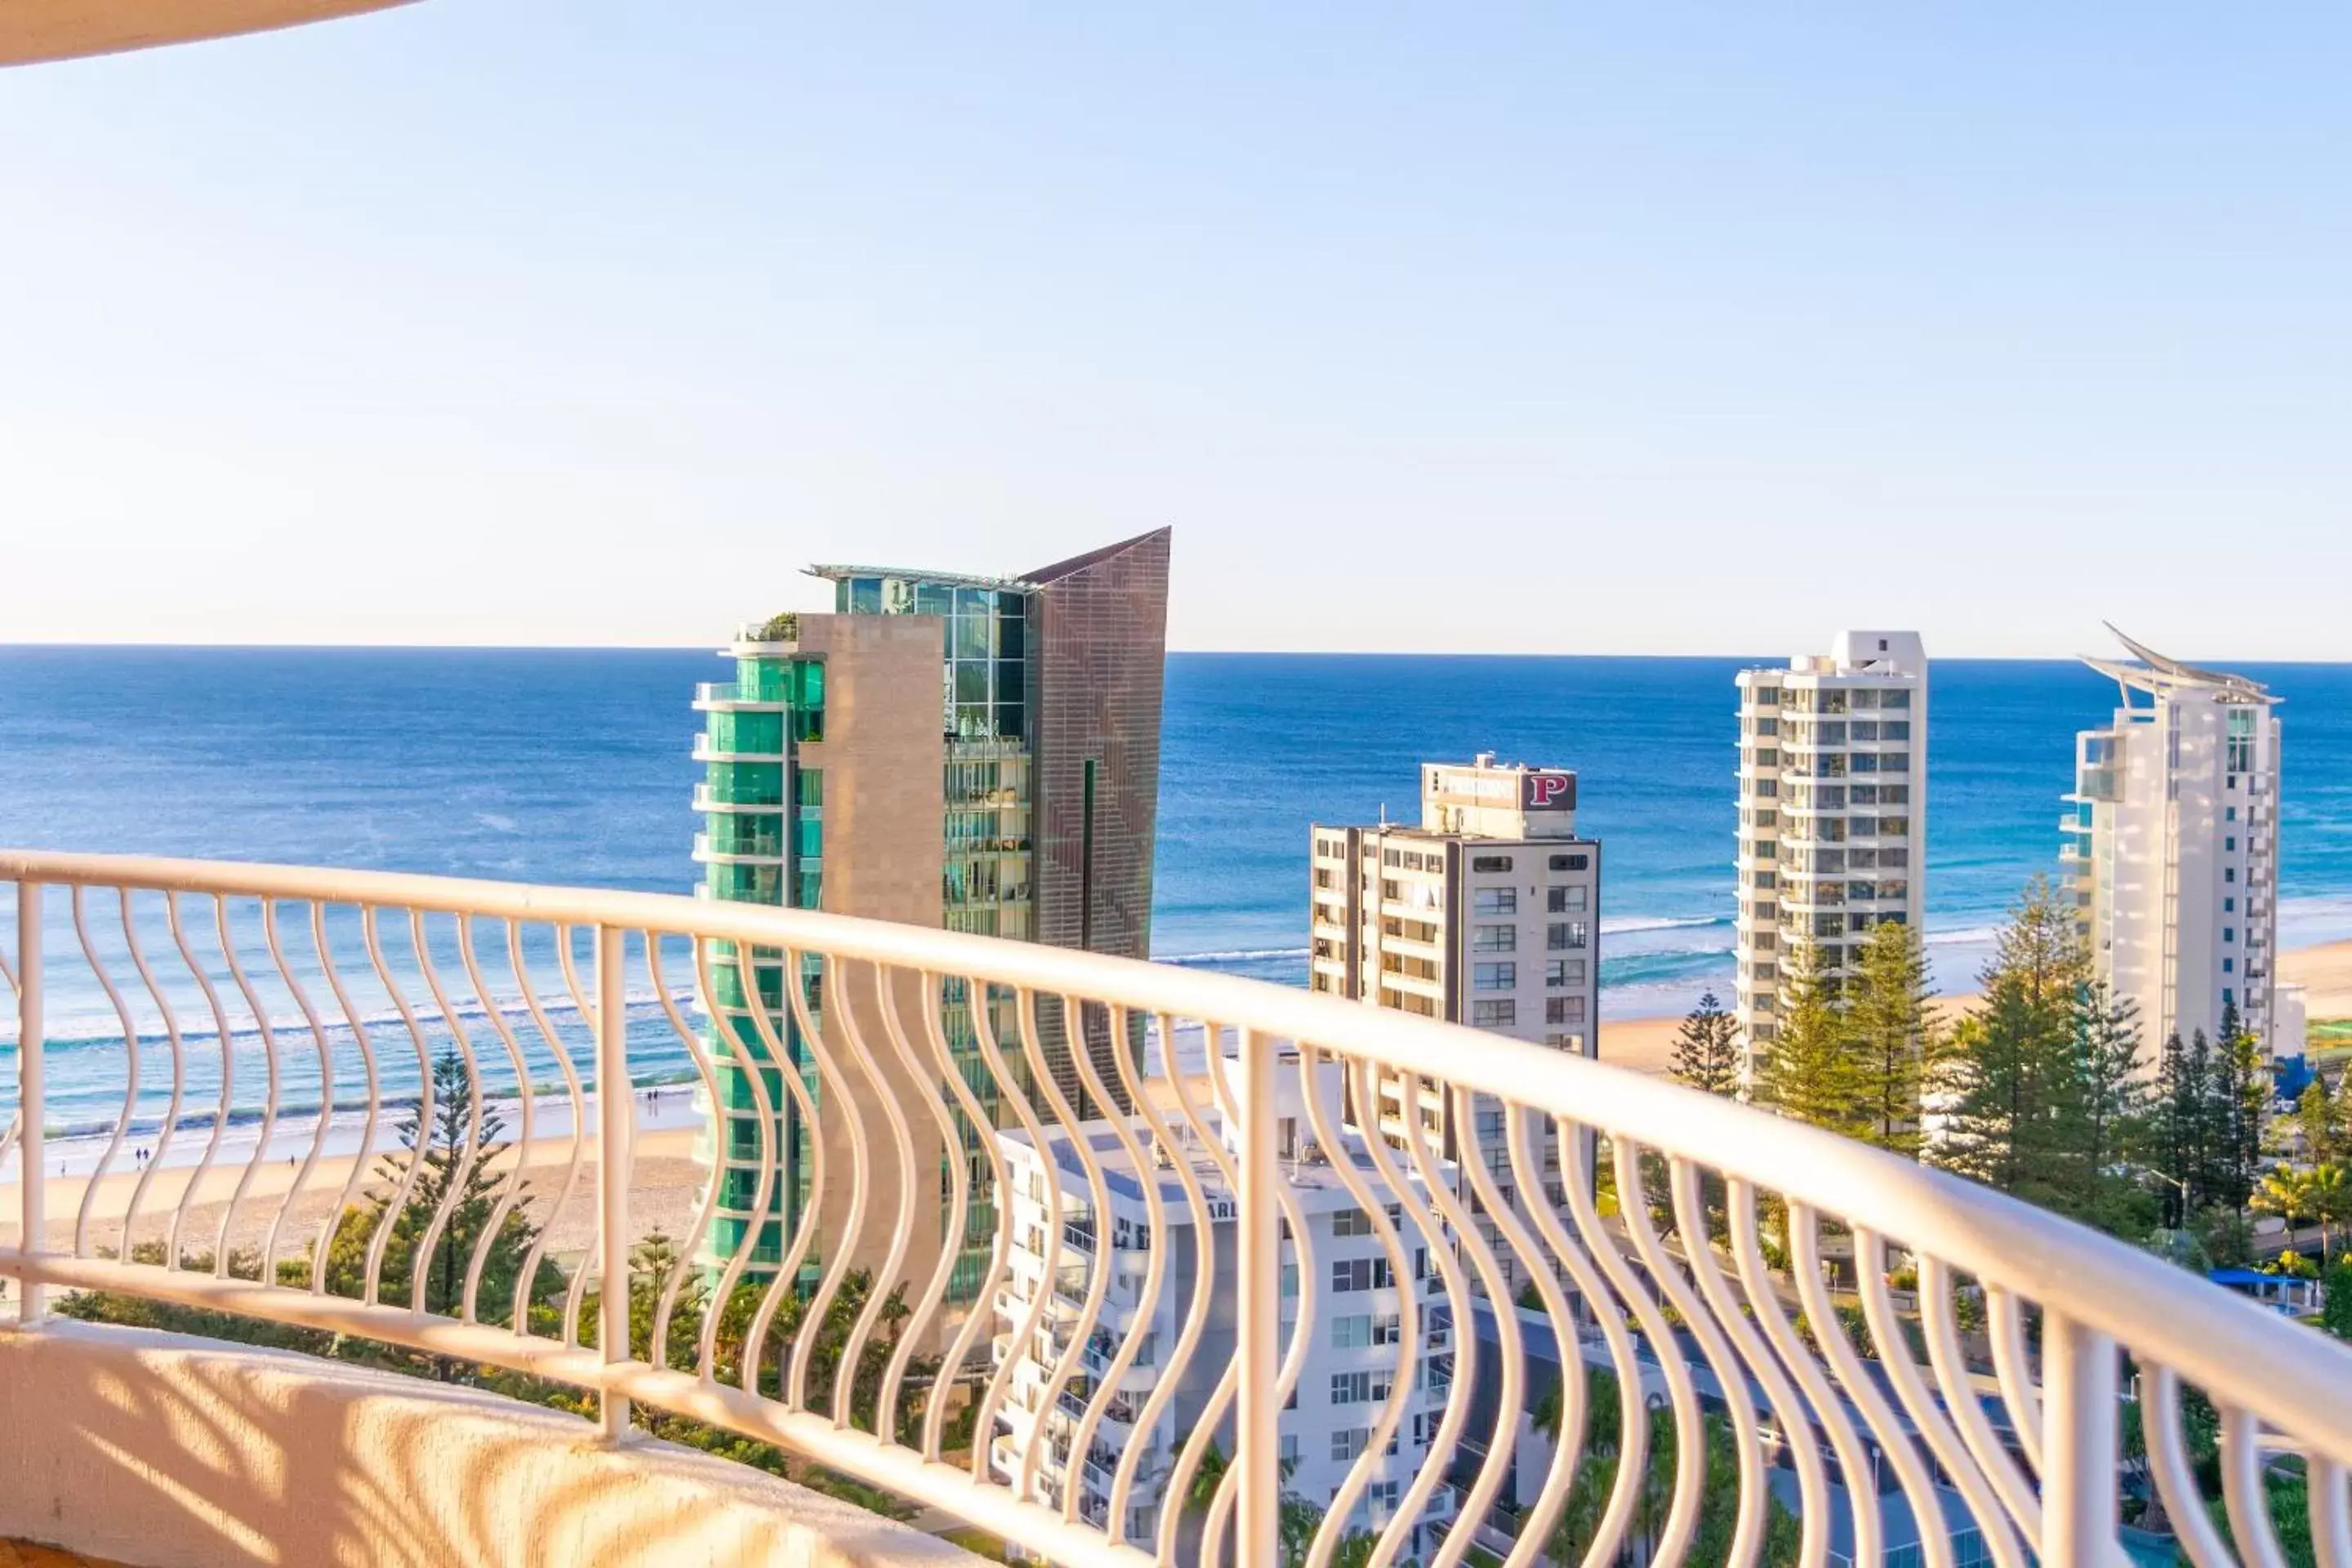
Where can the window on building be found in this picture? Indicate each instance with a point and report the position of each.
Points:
(2228, 906)
(1495, 902)
(1494, 976)
(1352, 1274)
(1563, 1009)
(1359, 1387)
(2229, 873)
(1494, 1015)
(1351, 1222)
(2229, 933)
(1352, 1333)
(1566, 936)
(1494, 939)
(1490, 862)
(1347, 1442)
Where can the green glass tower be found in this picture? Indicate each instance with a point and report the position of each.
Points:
(976, 753)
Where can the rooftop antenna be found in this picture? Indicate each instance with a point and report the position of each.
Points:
(1385, 814)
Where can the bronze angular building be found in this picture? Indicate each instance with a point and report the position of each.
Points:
(1024, 806)
(1098, 625)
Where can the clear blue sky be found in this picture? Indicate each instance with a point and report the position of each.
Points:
(1578, 329)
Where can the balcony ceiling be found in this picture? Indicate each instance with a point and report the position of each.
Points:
(33, 30)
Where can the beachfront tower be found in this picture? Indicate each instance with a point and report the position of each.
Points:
(1833, 811)
(978, 753)
(2170, 846)
(1487, 912)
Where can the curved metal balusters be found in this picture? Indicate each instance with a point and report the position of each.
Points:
(1685, 1195)
(1106, 1392)
(468, 1156)
(170, 1128)
(1829, 1413)
(273, 1089)
(2005, 1317)
(1991, 1461)
(832, 1083)
(1421, 1210)
(577, 1292)
(130, 1086)
(1099, 1273)
(1390, 1417)
(1000, 1247)
(2168, 1468)
(15, 1128)
(510, 1190)
(1219, 1404)
(1926, 1416)
(1155, 1276)
(2242, 1493)
(953, 1223)
(326, 1094)
(354, 1178)
(413, 1164)
(902, 1140)
(519, 961)
(1829, 1331)
(804, 1240)
(665, 1304)
(1690, 1455)
(992, 1398)
(1080, 1431)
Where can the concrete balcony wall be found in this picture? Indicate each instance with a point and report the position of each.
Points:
(169, 1452)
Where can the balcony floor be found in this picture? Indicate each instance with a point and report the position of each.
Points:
(25, 1554)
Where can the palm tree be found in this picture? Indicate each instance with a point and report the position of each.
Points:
(2287, 1194)
(2328, 1190)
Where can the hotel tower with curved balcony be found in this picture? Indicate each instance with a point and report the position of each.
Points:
(1833, 811)
(977, 753)
(2170, 847)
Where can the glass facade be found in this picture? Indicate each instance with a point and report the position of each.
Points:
(986, 883)
(762, 843)
(1049, 709)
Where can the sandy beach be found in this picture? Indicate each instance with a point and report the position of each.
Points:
(667, 1185)
(663, 1195)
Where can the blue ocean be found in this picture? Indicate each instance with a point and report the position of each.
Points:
(572, 766)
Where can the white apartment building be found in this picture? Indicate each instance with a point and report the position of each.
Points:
(1486, 913)
(1354, 1339)
(1833, 810)
(2172, 847)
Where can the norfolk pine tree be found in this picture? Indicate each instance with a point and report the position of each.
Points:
(1810, 1074)
(1707, 1048)
(1893, 1033)
(2012, 1078)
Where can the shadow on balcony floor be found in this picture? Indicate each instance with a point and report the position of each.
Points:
(25, 1554)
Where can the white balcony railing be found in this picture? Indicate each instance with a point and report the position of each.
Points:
(289, 1019)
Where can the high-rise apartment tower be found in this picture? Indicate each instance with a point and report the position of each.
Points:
(2170, 846)
(1833, 812)
(980, 754)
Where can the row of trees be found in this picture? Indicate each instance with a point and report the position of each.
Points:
(2043, 1090)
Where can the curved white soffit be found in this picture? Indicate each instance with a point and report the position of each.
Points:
(34, 30)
